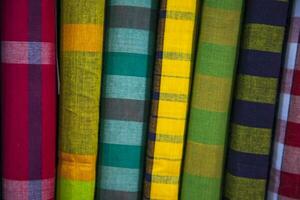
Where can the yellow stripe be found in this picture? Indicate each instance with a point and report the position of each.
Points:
(77, 167)
(211, 93)
(82, 37)
(204, 160)
(263, 37)
(218, 31)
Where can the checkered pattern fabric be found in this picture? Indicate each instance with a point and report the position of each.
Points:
(284, 181)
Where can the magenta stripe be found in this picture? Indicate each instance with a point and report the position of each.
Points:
(35, 98)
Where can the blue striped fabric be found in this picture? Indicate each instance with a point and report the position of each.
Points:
(128, 61)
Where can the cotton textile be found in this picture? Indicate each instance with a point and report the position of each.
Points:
(81, 39)
(171, 85)
(28, 99)
(127, 71)
(211, 99)
(255, 98)
(283, 116)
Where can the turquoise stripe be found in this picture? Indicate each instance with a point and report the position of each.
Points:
(127, 64)
(126, 87)
(121, 155)
(123, 132)
(129, 41)
(120, 179)
(136, 3)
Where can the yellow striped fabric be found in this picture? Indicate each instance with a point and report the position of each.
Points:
(172, 75)
(80, 70)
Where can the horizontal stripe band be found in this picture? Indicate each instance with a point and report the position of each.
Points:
(17, 52)
(169, 97)
(178, 15)
(162, 179)
(173, 55)
(128, 64)
(268, 16)
(248, 165)
(77, 167)
(112, 194)
(122, 132)
(126, 87)
(259, 63)
(124, 109)
(127, 40)
(131, 17)
(136, 3)
(21, 189)
(165, 138)
(123, 156)
(119, 179)
(253, 114)
(82, 37)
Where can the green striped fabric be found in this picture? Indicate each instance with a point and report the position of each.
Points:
(81, 41)
(211, 97)
(128, 61)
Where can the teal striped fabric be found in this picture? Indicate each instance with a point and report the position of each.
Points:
(127, 71)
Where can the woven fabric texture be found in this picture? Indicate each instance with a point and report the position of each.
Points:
(127, 70)
(211, 98)
(253, 114)
(81, 39)
(284, 115)
(28, 99)
(171, 85)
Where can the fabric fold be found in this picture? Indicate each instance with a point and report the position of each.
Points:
(285, 100)
(171, 88)
(127, 70)
(211, 99)
(253, 113)
(28, 98)
(81, 37)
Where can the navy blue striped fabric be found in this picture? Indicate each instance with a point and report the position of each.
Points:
(253, 111)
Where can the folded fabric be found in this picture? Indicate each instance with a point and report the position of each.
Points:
(127, 70)
(282, 163)
(211, 99)
(171, 85)
(28, 99)
(255, 98)
(81, 39)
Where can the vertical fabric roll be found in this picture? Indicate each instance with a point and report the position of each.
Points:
(127, 70)
(28, 98)
(172, 74)
(211, 99)
(255, 98)
(80, 73)
(284, 106)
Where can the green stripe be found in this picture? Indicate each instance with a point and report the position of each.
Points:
(127, 64)
(256, 89)
(242, 138)
(201, 123)
(121, 155)
(173, 97)
(165, 179)
(75, 190)
(196, 187)
(168, 138)
(244, 188)
(82, 11)
(177, 56)
(225, 4)
(219, 64)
